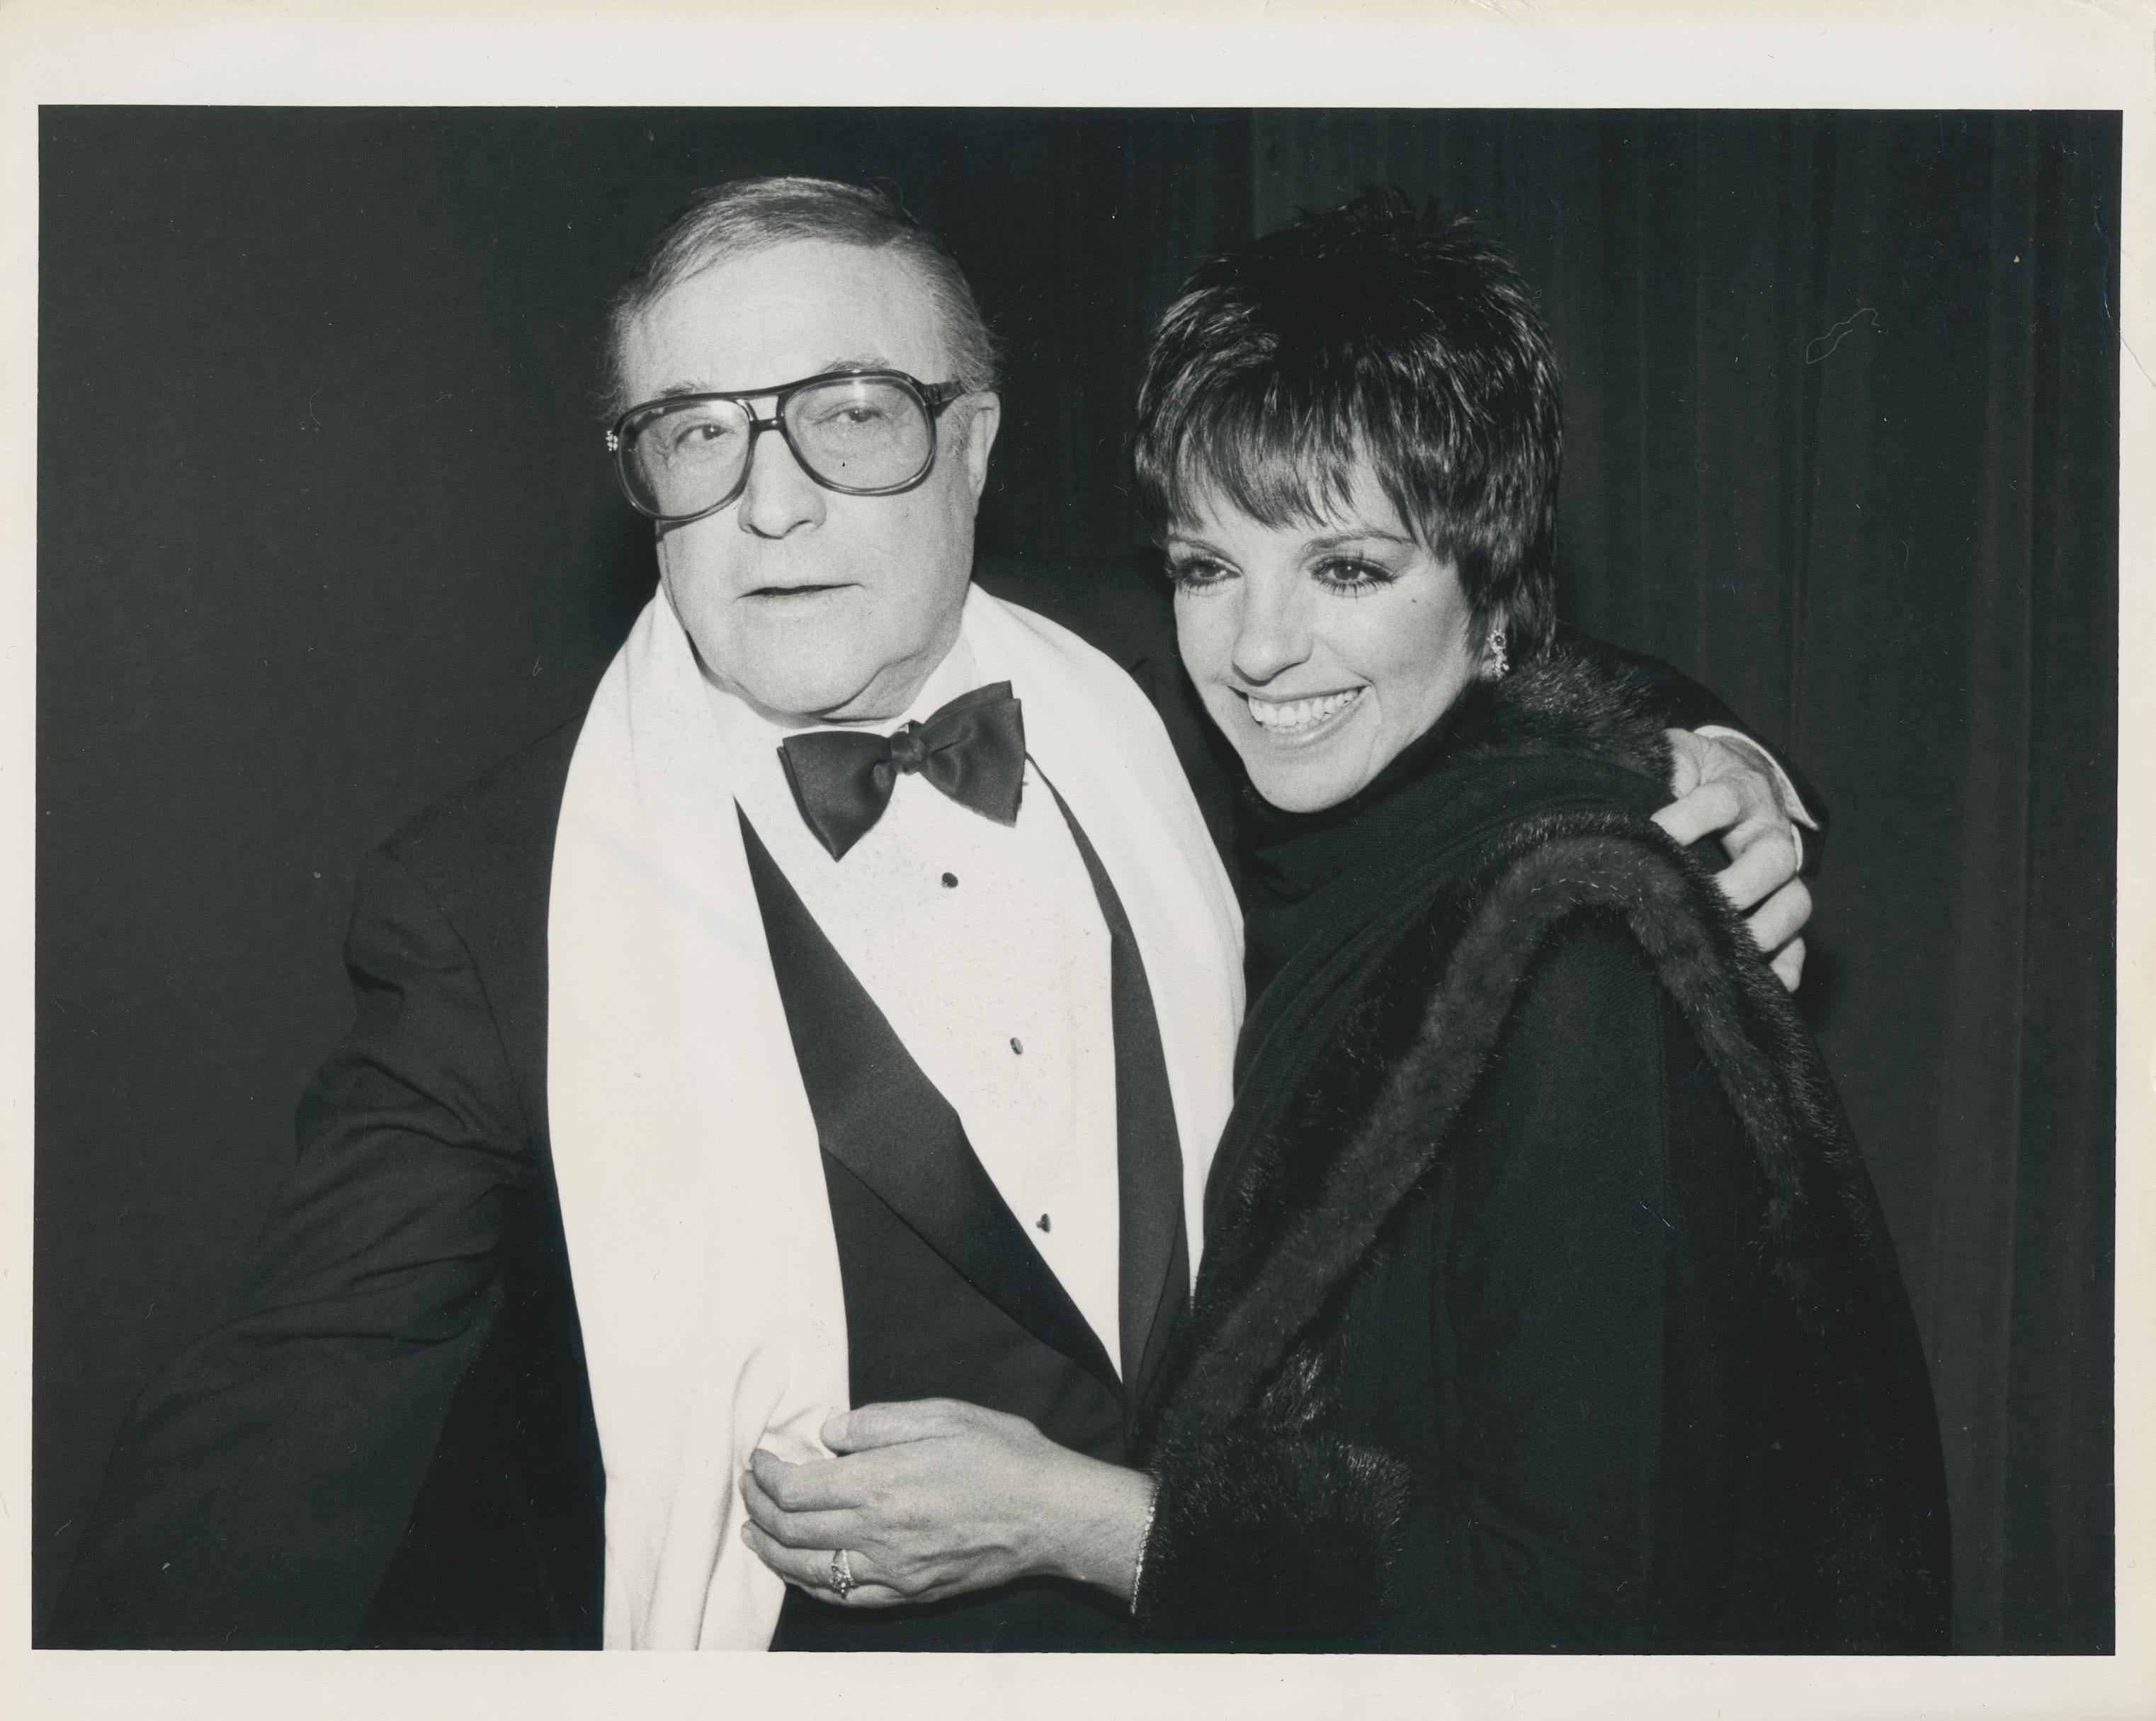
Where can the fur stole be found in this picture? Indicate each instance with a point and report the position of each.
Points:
(1269, 1523)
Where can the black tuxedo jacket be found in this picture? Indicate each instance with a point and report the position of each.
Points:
(390, 1442)
(402, 1386)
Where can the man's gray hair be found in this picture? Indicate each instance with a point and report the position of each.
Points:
(745, 216)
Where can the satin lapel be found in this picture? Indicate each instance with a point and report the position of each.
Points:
(1154, 1270)
(881, 1118)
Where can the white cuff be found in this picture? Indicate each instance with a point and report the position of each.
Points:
(1793, 806)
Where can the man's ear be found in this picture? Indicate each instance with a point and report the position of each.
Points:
(984, 419)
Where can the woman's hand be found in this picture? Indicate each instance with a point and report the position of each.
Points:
(937, 1498)
(1719, 789)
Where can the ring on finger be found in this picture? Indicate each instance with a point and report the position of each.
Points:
(842, 1573)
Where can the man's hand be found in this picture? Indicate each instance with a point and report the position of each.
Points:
(1719, 789)
(938, 1498)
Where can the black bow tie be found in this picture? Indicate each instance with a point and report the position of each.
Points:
(973, 750)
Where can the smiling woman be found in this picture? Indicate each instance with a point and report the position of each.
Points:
(1535, 1313)
(1323, 650)
(1346, 553)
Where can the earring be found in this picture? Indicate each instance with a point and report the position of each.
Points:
(1499, 663)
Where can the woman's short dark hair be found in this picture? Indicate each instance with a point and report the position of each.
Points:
(744, 216)
(1360, 333)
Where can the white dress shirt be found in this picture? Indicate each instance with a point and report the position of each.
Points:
(984, 947)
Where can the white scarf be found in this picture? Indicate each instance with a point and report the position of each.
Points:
(700, 1237)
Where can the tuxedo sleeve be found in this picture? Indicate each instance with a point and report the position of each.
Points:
(261, 1484)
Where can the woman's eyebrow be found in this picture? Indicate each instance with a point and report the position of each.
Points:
(1334, 540)
(1178, 539)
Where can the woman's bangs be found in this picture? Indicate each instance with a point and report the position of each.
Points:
(1277, 466)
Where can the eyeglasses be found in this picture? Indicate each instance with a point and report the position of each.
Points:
(861, 432)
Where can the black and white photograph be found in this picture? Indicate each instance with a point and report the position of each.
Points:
(1163, 881)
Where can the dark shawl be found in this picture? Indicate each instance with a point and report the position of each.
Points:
(1409, 930)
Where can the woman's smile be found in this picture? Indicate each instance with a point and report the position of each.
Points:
(1303, 719)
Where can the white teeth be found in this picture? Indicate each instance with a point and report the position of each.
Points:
(1286, 715)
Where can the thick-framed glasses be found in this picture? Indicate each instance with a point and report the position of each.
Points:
(859, 433)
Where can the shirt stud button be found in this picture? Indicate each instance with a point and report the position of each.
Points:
(950, 880)
(1042, 1221)
(1016, 1046)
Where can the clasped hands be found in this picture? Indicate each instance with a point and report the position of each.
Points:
(937, 1498)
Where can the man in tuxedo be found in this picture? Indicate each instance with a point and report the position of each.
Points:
(842, 1012)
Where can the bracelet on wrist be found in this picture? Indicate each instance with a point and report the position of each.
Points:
(1145, 1542)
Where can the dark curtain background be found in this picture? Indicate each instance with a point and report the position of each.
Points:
(324, 525)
